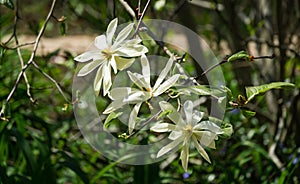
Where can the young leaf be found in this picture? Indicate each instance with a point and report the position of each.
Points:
(242, 55)
(110, 117)
(247, 113)
(253, 91)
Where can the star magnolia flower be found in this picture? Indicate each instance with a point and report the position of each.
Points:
(127, 95)
(110, 53)
(187, 130)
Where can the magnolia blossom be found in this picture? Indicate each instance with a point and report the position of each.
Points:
(110, 53)
(187, 129)
(144, 92)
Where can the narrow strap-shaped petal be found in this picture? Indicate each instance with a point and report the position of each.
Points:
(146, 70)
(88, 68)
(138, 80)
(138, 96)
(106, 78)
(111, 29)
(115, 105)
(184, 155)
(173, 115)
(175, 134)
(166, 85)
(197, 116)
(131, 50)
(200, 149)
(113, 64)
(124, 33)
(163, 73)
(133, 116)
(89, 56)
(162, 127)
(206, 138)
(121, 92)
(98, 81)
(188, 110)
(208, 125)
(100, 42)
(169, 147)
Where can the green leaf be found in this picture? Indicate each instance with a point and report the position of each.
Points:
(242, 55)
(227, 129)
(253, 91)
(62, 28)
(8, 3)
(247, 113)
(228, 92)
(110, 117)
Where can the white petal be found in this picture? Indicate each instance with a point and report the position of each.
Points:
(162, 127)
(113, 64)
(188, 110)
(106, 79)
(184, 156)
(208, 125)
(166, 85)
(88, 68)
(206, 138)
(175, 135)
(200, 149)
(163, 73)
(174, 115)
(138, 96)
(89, 56)
(146, 70)
(123, 63)
(111, 29)
(100, 42)
(124, 33)
(131, 51)
(169, 147)
(133, 116)
(138, 80)
(197, 116)
(113, 106)
(121, 92)
(98, 81)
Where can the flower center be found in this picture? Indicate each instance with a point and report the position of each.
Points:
(188, 129)
(107, 53)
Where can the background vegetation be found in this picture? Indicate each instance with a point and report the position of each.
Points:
(39, 139)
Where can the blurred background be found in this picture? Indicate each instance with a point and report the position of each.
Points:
(41, 143)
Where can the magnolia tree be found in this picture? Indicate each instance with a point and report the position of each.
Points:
(137, 107)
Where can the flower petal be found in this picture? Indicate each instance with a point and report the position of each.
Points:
(206, 138)
(208, 125)
(113, 64)
(175, 134)
(169, 147)
(115, 105)
(174, 115)
(138, 80)
(124, 33)
(88, 68)
(163, 73)
(133, 116)
(200, 149)
(98, 81)
(131, 50)
(166, 85)
(111, 29)
(197, 116)
(138, 96)
(184, 156)
(188, 110)
(146, 70)
(162, 127)
(100, 42)
(89, 56)
(106, 78)
(123, 63)
(121, 92)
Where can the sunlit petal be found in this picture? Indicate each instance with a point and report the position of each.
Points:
(200, 149)
(89, 56)
(175, 135)
(169, 147)
(113, 106)
(124, 33)
(111, 29)
(88, 68)
(138, 80)
(166, 85)
(197, 116)
(113, 64)
(138, 96)
(106, 78)
(188, 110)
(121, 92)
(98, 81)
(133, 116)
(208, 125)
(163, 73)
(184, 156)
(146, 70)
(162, 127)
(100, 42)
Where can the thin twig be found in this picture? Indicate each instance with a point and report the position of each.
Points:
(141, 17)
(33, 53)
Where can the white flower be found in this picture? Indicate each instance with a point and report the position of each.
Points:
(127, 95)
(110, 53)
(187, 130)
